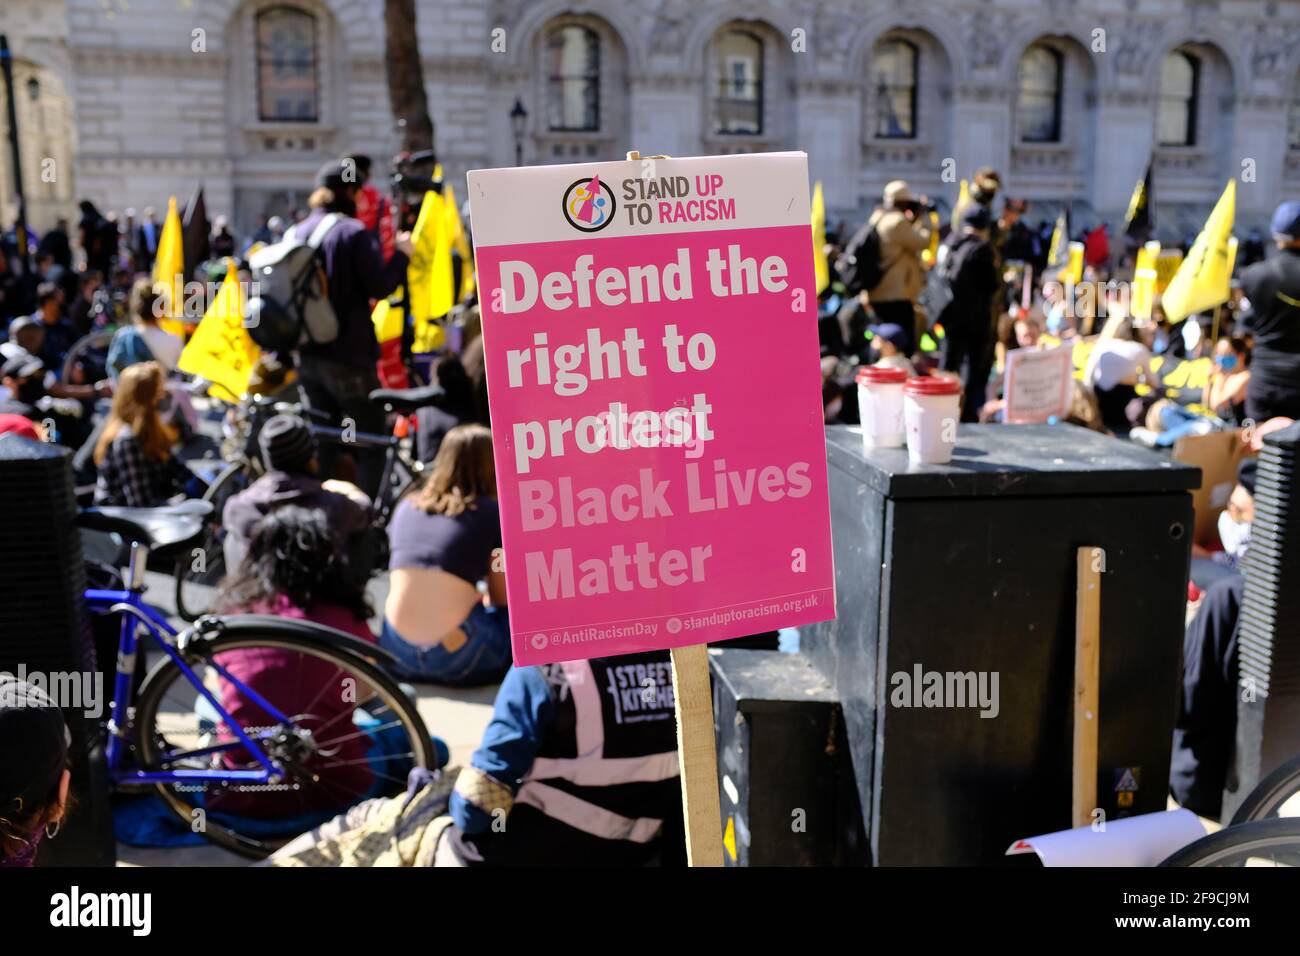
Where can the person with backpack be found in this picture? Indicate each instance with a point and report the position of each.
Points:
(884, 258)
(966, 263)
(337, 372)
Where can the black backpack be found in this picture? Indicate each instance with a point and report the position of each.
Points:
(859, 267)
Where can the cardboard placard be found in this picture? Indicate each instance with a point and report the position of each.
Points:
(1039, 384)
(654, 383)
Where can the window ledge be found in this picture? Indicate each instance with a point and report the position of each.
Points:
(286, 126)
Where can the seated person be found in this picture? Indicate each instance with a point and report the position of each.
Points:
(137, 466)
(1234, 532)
(578, 765)
(1115, 366)
(456, 408)
(888, 340)
(1205, 729)
(143, 339)
(442, 541)
(289, 455)
(34, 775)
(1224, 395)
(292, 570)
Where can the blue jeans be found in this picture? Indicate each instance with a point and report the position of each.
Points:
(1178, 421)
(483, 659)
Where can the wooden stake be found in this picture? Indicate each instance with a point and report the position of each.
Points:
(697, 755)
(1087, 681)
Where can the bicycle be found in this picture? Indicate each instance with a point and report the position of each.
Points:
(195, 577)
(355, 739)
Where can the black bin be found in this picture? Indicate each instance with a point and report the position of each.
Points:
(44, 629)
(969, 569)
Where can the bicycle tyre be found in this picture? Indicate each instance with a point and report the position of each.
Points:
(166, 673)
(1269, 794)
(225, 485)
(99, 339)
(1257, 837)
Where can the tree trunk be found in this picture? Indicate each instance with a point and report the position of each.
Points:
(406, 76)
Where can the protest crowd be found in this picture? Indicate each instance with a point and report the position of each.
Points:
(156, 393)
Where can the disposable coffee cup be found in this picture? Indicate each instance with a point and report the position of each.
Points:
(931, 409)
(880, 406)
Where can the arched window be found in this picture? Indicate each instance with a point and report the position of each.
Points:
(1038, 105)
(893, 78)
(738, 103)
(573, 79)
(1180, 80)
(287, 85)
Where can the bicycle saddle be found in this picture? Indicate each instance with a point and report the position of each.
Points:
(407, 400)
(166, 529)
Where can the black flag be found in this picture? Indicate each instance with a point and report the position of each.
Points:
(195, 231)
(1140, 221)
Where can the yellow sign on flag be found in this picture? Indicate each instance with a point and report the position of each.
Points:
(169, 271)
(820, 267)
(460, 242)
(1167, 264)
(220, 349)
(1203, 279)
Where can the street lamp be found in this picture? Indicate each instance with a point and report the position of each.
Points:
(519, 123)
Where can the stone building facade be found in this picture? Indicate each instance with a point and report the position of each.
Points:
(1070, 99)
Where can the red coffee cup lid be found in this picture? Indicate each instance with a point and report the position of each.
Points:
(933, 385)
(879, 375)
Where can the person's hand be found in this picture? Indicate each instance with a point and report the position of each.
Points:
(104, 388)
(403, 243)
(1255, 436)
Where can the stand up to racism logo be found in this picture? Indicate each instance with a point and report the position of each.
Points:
(589, 204)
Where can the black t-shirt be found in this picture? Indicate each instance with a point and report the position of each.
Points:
(462, 545)
(1273, 288)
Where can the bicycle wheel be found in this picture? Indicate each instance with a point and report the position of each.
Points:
(90, 352)
(199, 572)
(1273, 842)
(1273, 796)
(351, 734)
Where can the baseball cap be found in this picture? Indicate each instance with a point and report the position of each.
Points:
(976, 216)
(330, 175)
(892, 333)
(897, 192)
(22, 366)
(1286, 221)
(20, 323)
(35, 742)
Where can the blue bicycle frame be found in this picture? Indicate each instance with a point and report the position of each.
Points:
(135, 614)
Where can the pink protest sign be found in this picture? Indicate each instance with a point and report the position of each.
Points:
(655, 388)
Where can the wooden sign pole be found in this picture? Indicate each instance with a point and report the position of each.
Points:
(697, 755)
(1087, 682)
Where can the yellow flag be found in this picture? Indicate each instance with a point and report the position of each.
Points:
(220, 349)
(1202, 281)
(1144, 280)
(820, 267)
(963, 197)
(387, 317)
(459, 242)
(169, 271)
(424, 237)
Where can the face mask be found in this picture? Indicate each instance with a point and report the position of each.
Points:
(1234, 534)
(1226, 363)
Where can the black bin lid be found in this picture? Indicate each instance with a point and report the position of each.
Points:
(1005, 460)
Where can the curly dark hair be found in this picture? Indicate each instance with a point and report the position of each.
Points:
(292, 553)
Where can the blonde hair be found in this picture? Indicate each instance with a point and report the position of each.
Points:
(135, 406)
(462, 472)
